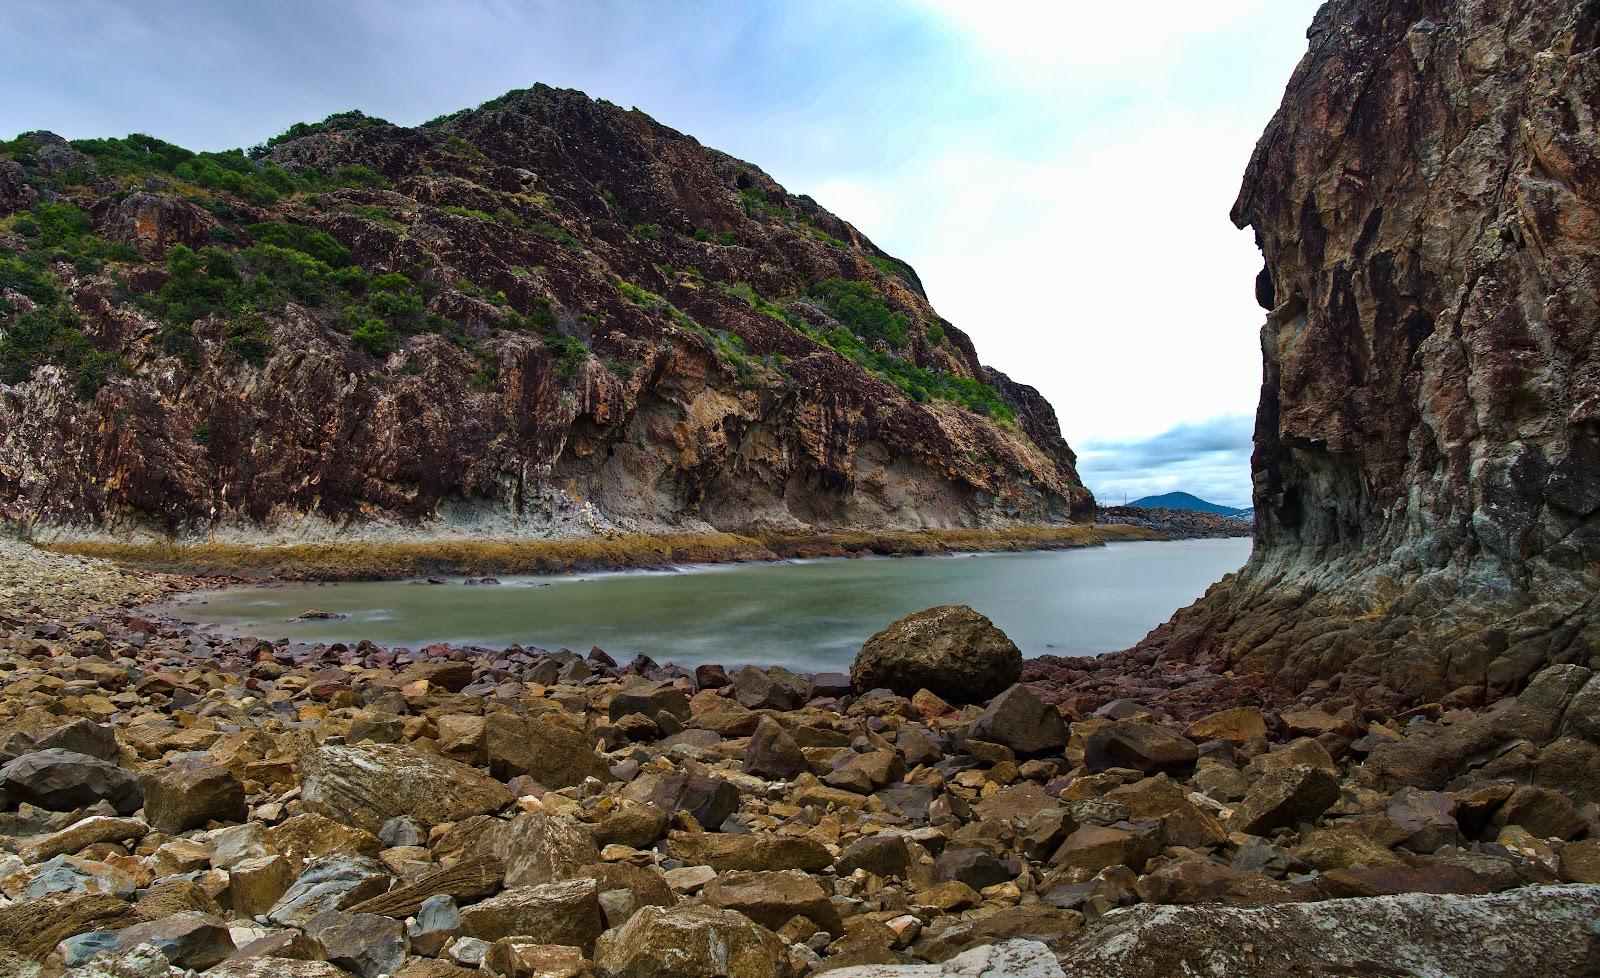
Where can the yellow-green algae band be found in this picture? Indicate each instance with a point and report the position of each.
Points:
(383, 560)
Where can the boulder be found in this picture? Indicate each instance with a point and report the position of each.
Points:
(82, 834)
(1021, 721)
(1008, 959)
(770, 688)
(436, 923)
(650, 699)
(884, 854)
(1285, 798)
(153, 222)
(1537, 932)
(537, 847)
(1196, 879)
(364, 943)
(772, 753)
(553, 755)
(690, 942)
(975, 867)
(61, 780)
(188, 940)
(333, 882)
(526, 957)
(772, 898)
(709, 799)
(950, 650)
(557, 913)
(1547, 814)
(754, 851)
(1140, 745)
(189, 793)
(368, 785)
(1238, 725)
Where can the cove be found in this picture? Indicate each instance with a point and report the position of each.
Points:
(807, 615)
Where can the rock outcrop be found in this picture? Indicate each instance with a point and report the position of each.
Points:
(1427, 459)
(545, 314)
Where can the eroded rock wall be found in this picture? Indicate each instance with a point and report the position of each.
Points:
(1427, 461)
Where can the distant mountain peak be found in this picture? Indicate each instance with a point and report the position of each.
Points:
(1184, 500)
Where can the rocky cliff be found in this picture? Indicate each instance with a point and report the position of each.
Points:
(1427, 462)
(544, 315)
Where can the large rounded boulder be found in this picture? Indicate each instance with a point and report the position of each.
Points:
(950, 650)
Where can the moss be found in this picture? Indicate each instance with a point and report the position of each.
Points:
(381, 561)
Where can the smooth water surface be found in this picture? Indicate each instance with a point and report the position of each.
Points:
(809, 615)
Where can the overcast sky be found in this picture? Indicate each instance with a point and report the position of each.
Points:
(1059, 173)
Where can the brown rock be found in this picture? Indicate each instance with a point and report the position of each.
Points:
(1240, 725)
(951, 650)
(188, 794)
(756, 851)
(553, 755)
(771, 898)
(1140, 745)
(690, 942)
(557, 913)
(1285, 798)
(368, 785)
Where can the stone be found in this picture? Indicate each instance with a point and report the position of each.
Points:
(436, 924)
(1196, 879)
(1424, 820)
(1094, 847)
(710, 800)
(189, 793)
(257, 883)
(518, 957)
(364, 943)
(690, 942)
(188, 940)
(1056, 929)
(1371, 881)
(1547, 814)
(773, 753)
(310, 836)
(81, 834)
(978, 868)
(83, 736)
(1008, 959)
(368, 785)
(32, 928)
(772, 898)
(62, 780)
(76, 875)
(770, 688)
(638, 826)
(753, 851)
(553, 755)
(557, 913)
(1412, 934)
(332, 882)
(1285, 798)
(884, 854)
(1021, 721)
(1239, 725)
(284, 968)
(865, 773)
(650, 699)
(1140, 745)
(689, 879)
(1339, 848)
(1580, 861)
(537, 847)
(951, 650)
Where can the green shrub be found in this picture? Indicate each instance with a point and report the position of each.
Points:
(862, 310)
(647, 232)
(557, 234)
(318, 244)
(50, 334)
(934, 332)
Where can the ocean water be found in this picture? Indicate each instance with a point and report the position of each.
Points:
(810, 615)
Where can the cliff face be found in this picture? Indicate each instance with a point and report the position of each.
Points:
(1427, 461)
(546, 314)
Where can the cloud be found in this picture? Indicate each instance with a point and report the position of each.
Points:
(1210, 459)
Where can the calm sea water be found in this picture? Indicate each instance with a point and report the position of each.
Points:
(808, 615)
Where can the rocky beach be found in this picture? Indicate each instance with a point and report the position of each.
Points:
(183, 803)
(549, 333)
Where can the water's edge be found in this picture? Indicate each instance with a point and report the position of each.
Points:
(365, 560)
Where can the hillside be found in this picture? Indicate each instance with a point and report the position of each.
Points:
(547, 315)
(1184, 500)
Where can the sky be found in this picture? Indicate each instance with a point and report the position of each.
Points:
(1058, 173)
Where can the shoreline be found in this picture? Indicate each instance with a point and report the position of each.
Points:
(378, 561)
